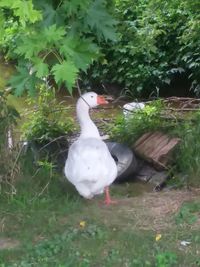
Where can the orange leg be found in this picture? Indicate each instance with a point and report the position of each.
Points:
(108, 200)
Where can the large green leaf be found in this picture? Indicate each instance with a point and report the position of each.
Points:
(73, 6)
(65, 72)
(80, 51)
(19, 80)
(99, 19)
(23, 9)
(30, 45)
(51, 15)
(41, 68)
(26, 12)
(53, 33)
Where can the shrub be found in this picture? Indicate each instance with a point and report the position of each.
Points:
(45, 122)
(188, 156)
(129, 129)
(158, 41)
(46, 129)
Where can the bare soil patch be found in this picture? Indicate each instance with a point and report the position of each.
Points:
(8, 243)
(150, 211)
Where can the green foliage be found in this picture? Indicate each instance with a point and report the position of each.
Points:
(24, 10)
(190, 49)
(100, 21)
(188, 156)
(46, 252)
(152, 118)
(166, 259)
(45, 123)
(188, 213)
(55, 38)
(128, 129)
(23, 81)
(158, 41)
(60, 70)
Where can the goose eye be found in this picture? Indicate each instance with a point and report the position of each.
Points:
(92, 96)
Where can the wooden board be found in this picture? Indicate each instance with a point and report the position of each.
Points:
(156, 147)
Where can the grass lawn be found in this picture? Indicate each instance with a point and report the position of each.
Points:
(52, 226)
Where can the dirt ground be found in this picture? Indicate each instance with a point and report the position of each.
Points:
(150, 211)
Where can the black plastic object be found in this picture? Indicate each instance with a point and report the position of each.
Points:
(124, 158)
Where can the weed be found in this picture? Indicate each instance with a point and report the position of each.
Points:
(188, 158)
(45, 130)
(44, 122)
(188, 213)
(166, 259)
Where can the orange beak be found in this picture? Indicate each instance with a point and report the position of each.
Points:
(101, 100)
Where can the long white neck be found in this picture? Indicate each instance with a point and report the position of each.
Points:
(88, 128)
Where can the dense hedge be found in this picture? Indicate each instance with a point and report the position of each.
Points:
(158, 42)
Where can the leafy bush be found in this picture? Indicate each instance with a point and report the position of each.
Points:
(158, 41)
(128, 129)
(45, 123)
(46, 132)
(188, 156)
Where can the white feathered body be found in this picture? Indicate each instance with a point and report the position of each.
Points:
(90, 166)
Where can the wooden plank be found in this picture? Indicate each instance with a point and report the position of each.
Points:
(156, 147)
(142, 138)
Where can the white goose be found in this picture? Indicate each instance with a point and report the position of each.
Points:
(90, 166)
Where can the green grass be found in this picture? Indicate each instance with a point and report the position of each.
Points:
(47, 226)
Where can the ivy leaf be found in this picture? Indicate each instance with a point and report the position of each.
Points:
(97, 18)
(65, 72)
(42, 69)
(80, 52)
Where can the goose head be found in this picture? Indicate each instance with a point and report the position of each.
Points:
(87, 101)
(92, 100)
